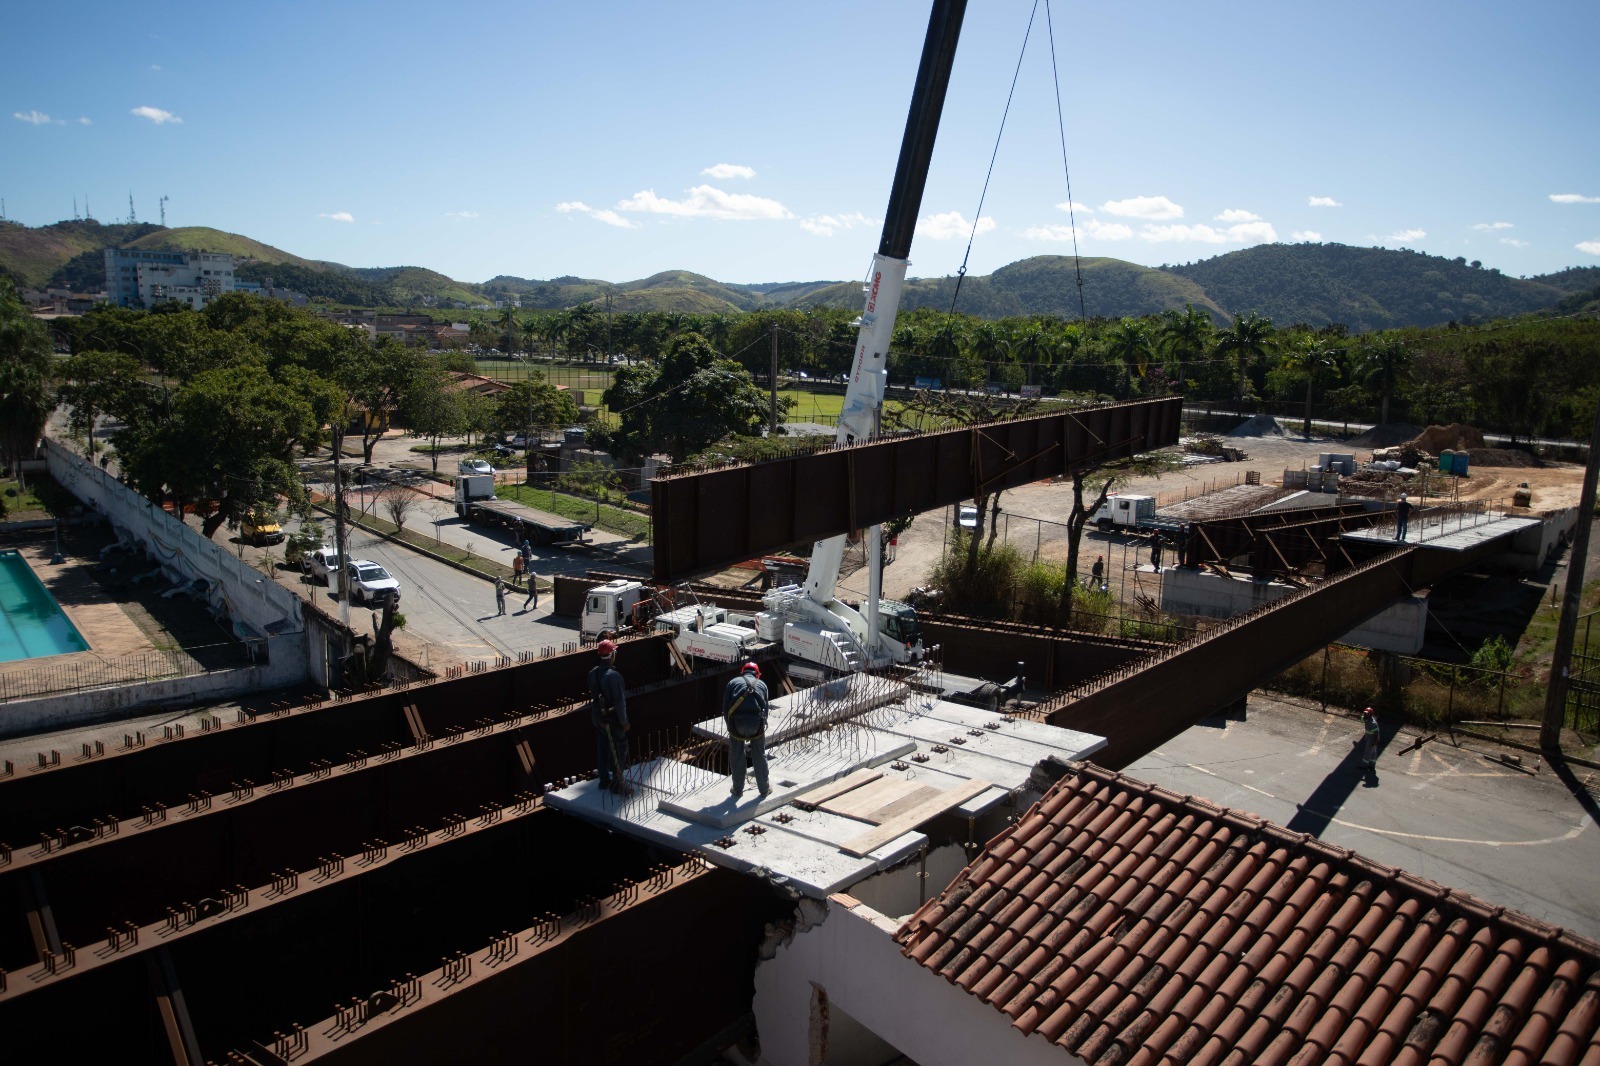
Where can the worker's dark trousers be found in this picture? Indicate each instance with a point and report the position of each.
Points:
(757, 756)
(611, 752)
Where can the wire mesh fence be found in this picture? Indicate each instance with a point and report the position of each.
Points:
(82, 671)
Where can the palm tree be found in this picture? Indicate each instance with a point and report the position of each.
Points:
(1183, 335)
(1247, 340)
(507, 321)
(1315, 358)
(1130, 342)
(1384, 365)
(1035, 348)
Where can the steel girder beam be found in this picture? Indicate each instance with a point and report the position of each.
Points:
(1222, 539)
(705, 520)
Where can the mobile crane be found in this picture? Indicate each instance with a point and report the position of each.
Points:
(816, 626)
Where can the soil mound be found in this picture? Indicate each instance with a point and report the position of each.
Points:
(1258, 426)
(1455, 436)
(1500, 457)
(1385, 436)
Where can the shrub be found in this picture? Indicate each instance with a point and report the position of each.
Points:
(987, 588)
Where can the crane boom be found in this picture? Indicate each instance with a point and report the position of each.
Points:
(860, 416)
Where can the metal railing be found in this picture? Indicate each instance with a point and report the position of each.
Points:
(85, 670)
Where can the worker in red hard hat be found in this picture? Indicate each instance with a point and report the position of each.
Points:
(608, 711)
(1369, 722)
(744, 709)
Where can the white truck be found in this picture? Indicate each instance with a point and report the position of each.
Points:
(698, 630)
(1130, 511)
(476, 502)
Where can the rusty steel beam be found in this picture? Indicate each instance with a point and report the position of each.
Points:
(709, 519)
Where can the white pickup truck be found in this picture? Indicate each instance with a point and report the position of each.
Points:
(320, 563)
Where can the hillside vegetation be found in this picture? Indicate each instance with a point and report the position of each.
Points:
(1314, 284)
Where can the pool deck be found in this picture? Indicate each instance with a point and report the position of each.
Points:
(115, 638)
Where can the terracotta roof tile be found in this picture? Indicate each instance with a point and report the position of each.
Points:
(1131, 925)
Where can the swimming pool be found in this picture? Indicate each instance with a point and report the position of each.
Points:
(31, 622)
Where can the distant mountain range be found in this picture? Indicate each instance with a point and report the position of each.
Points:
(1363, 288)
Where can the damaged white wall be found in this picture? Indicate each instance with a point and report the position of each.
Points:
(842, 972)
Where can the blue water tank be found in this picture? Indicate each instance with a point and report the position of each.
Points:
(1461, 464)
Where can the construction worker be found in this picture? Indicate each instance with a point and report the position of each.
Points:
(1097, 575)
(744, 709)
(500, 596)
(1369, 721)
(608, 711)
(1155, 553)
(1402, 518)
(517, 563)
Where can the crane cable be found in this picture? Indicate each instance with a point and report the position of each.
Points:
(978, 216)
(1061, 128)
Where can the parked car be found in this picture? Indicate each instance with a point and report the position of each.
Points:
(967, 516)
(474, 466)
(519, 441)
(260, 529)
(500, 451)
(370, 583)
(319, 563)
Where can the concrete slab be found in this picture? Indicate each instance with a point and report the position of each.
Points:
(792, 770)
(1449, 532)
(932, 732)
(1056, 738)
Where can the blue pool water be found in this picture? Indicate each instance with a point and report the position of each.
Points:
(31, 622)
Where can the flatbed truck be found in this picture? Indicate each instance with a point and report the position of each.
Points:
(476, 502)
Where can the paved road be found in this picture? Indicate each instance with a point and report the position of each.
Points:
(1447, 814)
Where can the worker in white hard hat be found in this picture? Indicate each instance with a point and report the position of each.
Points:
(744, 709)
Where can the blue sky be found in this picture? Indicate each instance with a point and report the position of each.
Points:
(755, 142)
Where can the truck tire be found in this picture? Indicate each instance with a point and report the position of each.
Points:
(1104, 525)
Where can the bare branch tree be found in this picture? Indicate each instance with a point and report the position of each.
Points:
(397, 502)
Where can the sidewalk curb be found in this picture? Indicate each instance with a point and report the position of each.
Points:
(453, 564)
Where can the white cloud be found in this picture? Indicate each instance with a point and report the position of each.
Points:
(337, 216)
(1404, 235)
(1233, 214)
(36, 118)
(155, 66)
(156, 115)
(1322, 201)
(1573, 198)
(825, 225)
(706, 201)
(949, 225)
(84, 121)
(1075, 206)
(461, 214)
(1592, 247)
(1243, 233)
(610, 218)
(1492, 225)
(1092, 229)
(724, 171)
(1305, 235)
(1513, 242)
(1155, 208)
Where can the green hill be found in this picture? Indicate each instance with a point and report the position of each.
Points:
(410, 286)
(205, 239)
(34, 255)
(1364, 288)
(1042, 285)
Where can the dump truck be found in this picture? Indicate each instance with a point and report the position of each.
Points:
(476, 502)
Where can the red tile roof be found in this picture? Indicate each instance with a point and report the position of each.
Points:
(1129, 924)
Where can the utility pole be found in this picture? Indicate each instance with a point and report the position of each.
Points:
(132, 216)
(1555, 696)
(772, 383)
(164, 200)
(338, 521)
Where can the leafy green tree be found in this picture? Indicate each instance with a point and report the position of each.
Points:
(1247, 342)
(533, 403)
(694, 397)
(94, 384)
(432, 409)
(25, 397)
(227, 448)
(1131, 345)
